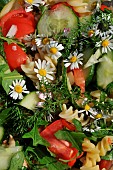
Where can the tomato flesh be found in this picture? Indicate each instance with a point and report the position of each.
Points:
(107, 164)
(79, 79)
(25, 22)
(14, 55)
(61, 148)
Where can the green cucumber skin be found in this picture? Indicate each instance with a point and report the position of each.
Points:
(30, 101)
(105, 70)
(48, 26)
(90, 70)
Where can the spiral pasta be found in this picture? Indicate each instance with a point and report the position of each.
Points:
(92, 155)
(104, 145)
(28, 69)
(90, 168)
(69, 115)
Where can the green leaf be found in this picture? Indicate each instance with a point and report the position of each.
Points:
(109, 156)
(17, 161)
(7, 79)
(52, 163)
(45, 160)
(3, 115)
(77, 124)
(35, 136)
(66, 135)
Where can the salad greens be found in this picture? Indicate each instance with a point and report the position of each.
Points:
(56, 85)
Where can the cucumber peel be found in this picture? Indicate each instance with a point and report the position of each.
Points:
(30, 101)
(105, 70)
(54, 21)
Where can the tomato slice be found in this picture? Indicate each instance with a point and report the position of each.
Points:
(61, 148)
(24, 21)
(52, 128)
(68, 125)
(79, 78)
(104, 7)
(14, 55)
(107, 164)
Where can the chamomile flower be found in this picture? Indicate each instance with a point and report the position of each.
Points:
(30, 41)
(106, 44)
(88, 110)
(74, 60)
(44, 71)
(42, 40)
(30, 3)
(17, 88)
(105, 30)
(53, 50)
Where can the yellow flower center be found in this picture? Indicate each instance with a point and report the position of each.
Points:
(105, 43)
(18, 89)
(87, 107)
(99, 115)
(45, 41)
(90, 32)
(53, 50)
(73, 59)
(30, 1)
(42, 72)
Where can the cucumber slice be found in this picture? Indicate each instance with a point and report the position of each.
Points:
(85, 19)
(55, 20)
(30, 101)
(89, 71)
(1, 132)
(105, 70)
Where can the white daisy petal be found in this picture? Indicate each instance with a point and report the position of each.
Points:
(17, 89)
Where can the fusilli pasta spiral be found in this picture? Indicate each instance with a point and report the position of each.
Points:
(104, 145)
(69, 115)
(28, 69)
(92, 155)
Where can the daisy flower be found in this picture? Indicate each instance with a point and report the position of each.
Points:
(73, 60)
(53, 49)
(88, 110)
(106, 44)
(30, 41)
(41, 41)
(30, 3)
(105, 30)
(17, 88)
(44, 71)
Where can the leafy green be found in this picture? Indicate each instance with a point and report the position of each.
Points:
(34, 134)
(108, 156)
(77, 124)
(8, 78)
(43, 159)
(73, 137)
(4, 114)
(17, 161)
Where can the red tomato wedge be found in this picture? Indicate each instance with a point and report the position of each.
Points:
(79, 79)
(107, 164)
(68, 125)
(24, 21)
(52, 128)
(61, 148)
(14, 55)
(104, 7)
